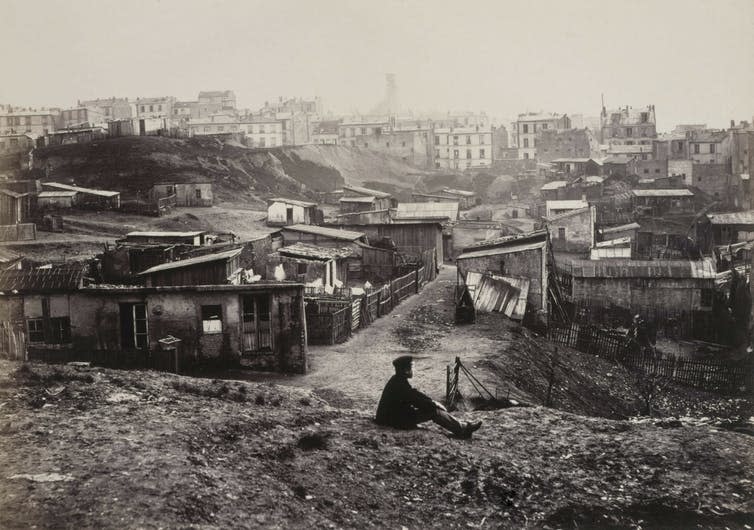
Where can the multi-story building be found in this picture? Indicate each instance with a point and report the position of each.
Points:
(261, 132)
(325, 132)
(112, 108)
(709, 146)
(160, 107)
(527, 128)
(462, 147)
(741, 148)
(81, 117)
(31, 121)
(628, 126)
(351, 128)
(225, 99)
(218, 124)
(553, 144)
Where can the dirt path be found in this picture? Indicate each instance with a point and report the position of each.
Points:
(353, 373)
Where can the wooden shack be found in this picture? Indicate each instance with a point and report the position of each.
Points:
(14, 207)
(87, 197)
(283, 212)
(211, 269)
(195, 237)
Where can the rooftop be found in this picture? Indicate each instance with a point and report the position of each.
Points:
(568, 214)
(7, 255)
(190, 262)
(334, 233)
(538, 236)
(620, 228)
(554, 185)
(88, 191)
(509, 249)
(462, 193)
(734, 218)
(610, 268)
(294, 202)
(304, 250)
(366, 198)
(663, 193)
(366, 191)
(568, 204)
(56, 193)
(165, 234)
(41, 280)
(409, 210)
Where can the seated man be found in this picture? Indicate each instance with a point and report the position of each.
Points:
(404, 407)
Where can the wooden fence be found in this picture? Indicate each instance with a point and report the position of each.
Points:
(328, 321)
(707, 374)
(12, 342)
(18, 232)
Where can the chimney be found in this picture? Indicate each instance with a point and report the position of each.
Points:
(732, 123)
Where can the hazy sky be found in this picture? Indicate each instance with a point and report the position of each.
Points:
(694, 60)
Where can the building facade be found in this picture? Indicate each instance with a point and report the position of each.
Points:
(527, 128)
(462, 147)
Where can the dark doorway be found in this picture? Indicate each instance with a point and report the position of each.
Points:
(133, 327)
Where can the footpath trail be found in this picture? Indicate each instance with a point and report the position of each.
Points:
(352, 374)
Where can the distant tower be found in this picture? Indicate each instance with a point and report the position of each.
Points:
(389, 104)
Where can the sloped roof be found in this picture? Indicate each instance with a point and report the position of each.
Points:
(56, 279)
(190, 262)
(304, 250)
(462, 193)
(568, 214)
(621, 228)
(570, 204)
(334, 233)
(57, 193)
(501, 250)
(165, 234)
(434, 210)
(574, 160)
(734, 218)
(294, 202)
(88, 191)
(554, 185)
(663, 193)
(621, 241)
(368, 198)
(366, 191)
(538, 235)
(608, 268)
(13, 194)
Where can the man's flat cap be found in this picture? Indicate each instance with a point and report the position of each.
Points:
(403, 361)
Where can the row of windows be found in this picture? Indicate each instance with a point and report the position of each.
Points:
(525, 127)
(697, 148)
(151, 108)
(629, 131)
(457, 165)
(455, 139)
(456, 153)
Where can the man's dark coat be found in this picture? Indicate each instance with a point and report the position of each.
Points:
(403, 406)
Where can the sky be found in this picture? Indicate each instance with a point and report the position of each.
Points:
(692, 59)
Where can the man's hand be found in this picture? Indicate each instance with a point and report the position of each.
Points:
(440, 406)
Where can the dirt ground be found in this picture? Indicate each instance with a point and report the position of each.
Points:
(90, 447)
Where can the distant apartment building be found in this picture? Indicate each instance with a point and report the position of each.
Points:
(159, 107)
(81, 117)
(742, 149)
(462, 147)
(185, 110)
(628, 132)
(14, 120)
(709, 146)
(112, 108)
(683, 128)
(527, 128)
(214, 125)
(351, 128)
(553, 144)
(500, 144)
(226, 99)
(325, 132)
(262, 132)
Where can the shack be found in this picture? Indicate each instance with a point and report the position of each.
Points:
(88, 197)
(657, 202)
(57, 199)
(14, 207)
(442, 211)
(466, 199)
(378, 200)
(412, 239)
(211, 269)
(573, 231)
(283, 212)
(518, 256)
(189, 194)
(312, 265)
(322, 236)
(261, 325)
(728, 228)
(553, 208)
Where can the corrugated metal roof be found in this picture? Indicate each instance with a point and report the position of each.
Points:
(427, 209)
(703, 269)
(554, 185)
(165, 234)
(366, 191)
(501, 250)
(294, 202)
(537, 235)
(190, 262)
(663, 193)
(334, 233)
(733, 218)
(55, 279)
(88, 191)
(310, 251)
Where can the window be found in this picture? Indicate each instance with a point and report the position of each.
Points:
(387, 144)
(644, 117)
(468, 154)
(133, 326)
(657, 170)
(481, 153)
(468, 140)
(403, 144)
(455, 140)
(706, 297)
(212, 319)
(142, 108)
(151, 108)
(526, 142)
(159, 108)
(198, 193)
(437, 139)
(366, 144)
(437, 153)
(535, 127)
(561, 232)
(363, 130)
(646, 171)
(696, 149)
(36, 330)
(711, 148)
(257, 327)
(481, 139)
(261, 142)
(455, 153)
(526, 156)
(629, 131)
(261, 129)
(60, 330)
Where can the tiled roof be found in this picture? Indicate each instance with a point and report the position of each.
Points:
(57, 279)
(208, 258)
(303, 250)
(703, 269)
(334, 233)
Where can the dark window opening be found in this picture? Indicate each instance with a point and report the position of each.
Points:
(133, 326)
(212, 319)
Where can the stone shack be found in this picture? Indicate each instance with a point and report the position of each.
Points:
(283, 212)
(519, 256)
(573, 231)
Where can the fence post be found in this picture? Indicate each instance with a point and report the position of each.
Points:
(416, 279)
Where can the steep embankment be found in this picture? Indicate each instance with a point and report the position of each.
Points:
(109, 449)
(133, 164)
